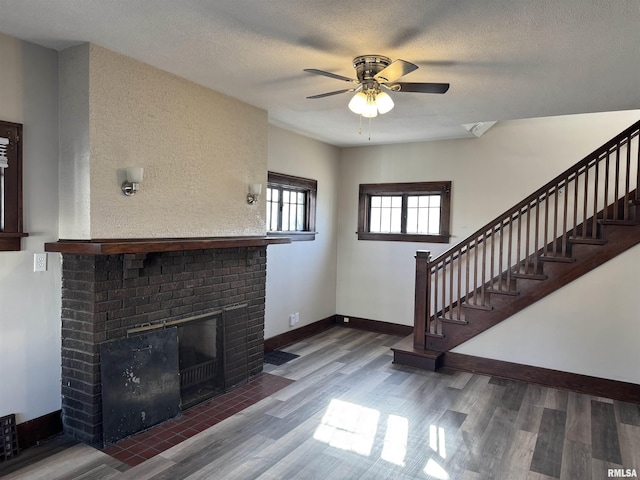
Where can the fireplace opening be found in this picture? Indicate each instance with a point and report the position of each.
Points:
(171, 366)
(200, 348)
(201, 355)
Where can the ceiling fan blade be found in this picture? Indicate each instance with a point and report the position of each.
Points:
(394, 71)
(419, 87)
(328, 94)
(329, 74)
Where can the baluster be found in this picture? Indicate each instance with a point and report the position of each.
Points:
(519, 248)
(585, 202)
(459, 299)
(605, 214)
(545, 239)
(484, 263)
(444, 290)
(575, 204)
(451, 287)
(638, 170)
(492, 252)
(501, 249)
(565, 208)
(468, 268)
(594, 221)
(616, 187)
(627, 181)
(475, 273)
(555, 220)
(526, 248)
(509, 247)
(537, 234)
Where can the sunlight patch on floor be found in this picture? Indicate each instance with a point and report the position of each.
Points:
(395, 440)
(435, 470)
(436, 440)
(349, 427)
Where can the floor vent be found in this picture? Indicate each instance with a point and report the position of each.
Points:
(9, 438)
(278, 357)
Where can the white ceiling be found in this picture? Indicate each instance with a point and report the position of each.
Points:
(504, 59)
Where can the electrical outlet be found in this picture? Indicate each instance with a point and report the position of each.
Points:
(39, 262)
(346, 319)
(297, 317)
(292, 319)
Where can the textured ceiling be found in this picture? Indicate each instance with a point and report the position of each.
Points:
(504, 59)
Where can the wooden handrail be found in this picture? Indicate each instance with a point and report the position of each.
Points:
(600, 152)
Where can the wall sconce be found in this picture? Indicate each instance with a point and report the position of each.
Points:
(133, 179)
(255, 189)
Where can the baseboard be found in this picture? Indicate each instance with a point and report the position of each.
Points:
(38, 429)
(601, 387)
(298, 334)
(374, 325)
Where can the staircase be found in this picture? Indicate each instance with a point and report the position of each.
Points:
(582, 218)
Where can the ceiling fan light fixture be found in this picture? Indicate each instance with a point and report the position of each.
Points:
(370, 111)
(375, 73)
(384, 102)
(358, 103)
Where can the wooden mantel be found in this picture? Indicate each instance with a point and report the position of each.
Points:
(128, 245)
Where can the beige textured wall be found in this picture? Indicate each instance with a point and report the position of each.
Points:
(74, 170)
(200, 150)
(11, 79)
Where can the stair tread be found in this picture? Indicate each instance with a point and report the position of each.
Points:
(553, 258)
(588, 240)
(477, 307)
(453, 321)
(618, 222)
(529, 276)
(434, 335)
(512, 293)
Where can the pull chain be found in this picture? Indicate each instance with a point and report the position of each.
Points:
(360, 127)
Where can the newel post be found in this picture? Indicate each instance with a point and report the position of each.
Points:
(421, 308)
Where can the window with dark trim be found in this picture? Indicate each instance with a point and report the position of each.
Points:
(405, 212)
(291, 206)
(10, 186)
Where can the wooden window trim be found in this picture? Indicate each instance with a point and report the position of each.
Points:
(12, 233)
(308, 185)
(413, 188)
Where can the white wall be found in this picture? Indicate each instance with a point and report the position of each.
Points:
(489, 175)
(581, 328)
(301, 276)
(30, 302)
(590, 326)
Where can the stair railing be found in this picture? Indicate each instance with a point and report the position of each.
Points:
(569, 208)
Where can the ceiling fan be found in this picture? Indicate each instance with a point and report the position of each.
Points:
(375, 74)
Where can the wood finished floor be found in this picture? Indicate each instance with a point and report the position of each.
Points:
(352, 414)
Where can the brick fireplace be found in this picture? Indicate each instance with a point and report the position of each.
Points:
(110, 288)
